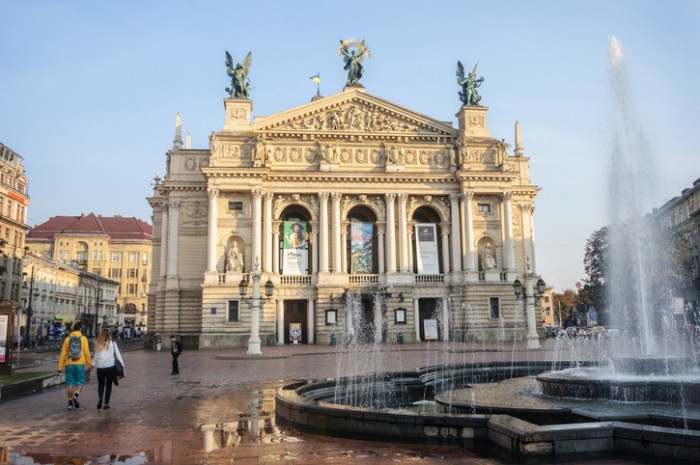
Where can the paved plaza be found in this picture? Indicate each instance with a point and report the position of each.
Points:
(158, 419)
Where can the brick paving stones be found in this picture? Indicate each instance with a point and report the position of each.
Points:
(157, 418)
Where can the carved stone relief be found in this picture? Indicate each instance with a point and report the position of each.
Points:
(195, 214)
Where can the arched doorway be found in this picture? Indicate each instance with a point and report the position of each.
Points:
(296, 240)
(361, 246)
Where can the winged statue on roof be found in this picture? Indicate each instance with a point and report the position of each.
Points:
(238, 72)
(353, 59)
(469, 83)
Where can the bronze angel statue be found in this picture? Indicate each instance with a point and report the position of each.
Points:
(353, 59)
(239, 76)
(469, 83)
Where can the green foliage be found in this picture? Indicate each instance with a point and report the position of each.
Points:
(17, 377)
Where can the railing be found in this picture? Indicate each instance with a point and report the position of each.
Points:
(363, 279)
(295, 279)
(430, 278)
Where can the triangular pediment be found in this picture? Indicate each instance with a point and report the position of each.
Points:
(352, 113)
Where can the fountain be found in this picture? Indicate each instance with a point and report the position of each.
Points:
(645, 399)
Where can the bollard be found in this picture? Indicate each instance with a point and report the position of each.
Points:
(333, 339)
(399, 338)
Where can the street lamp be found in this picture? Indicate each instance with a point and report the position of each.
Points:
(531, 293)
(254, 303)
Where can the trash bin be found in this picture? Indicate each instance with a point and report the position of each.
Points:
(333, 339)
(399, 338)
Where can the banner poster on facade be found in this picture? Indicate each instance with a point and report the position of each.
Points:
(426, 249)
(4, 321)
(295, 333)
(430, 329)
(296, 248)
(361, 248)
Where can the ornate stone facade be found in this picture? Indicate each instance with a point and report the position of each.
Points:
(337, 165)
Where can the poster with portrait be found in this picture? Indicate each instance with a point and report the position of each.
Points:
(296, 247)
(427, 249)
(361, 258)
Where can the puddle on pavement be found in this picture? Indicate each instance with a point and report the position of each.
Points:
(14, 458)
(253, 425)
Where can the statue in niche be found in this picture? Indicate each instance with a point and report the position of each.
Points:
(239, 76)
(469, 83)
(259, 152)
(234, 259)
(488, 261)
(353, 59)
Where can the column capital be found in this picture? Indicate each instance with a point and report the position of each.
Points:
(257, 194)
(468, 195)
(336, 196)
(269, 196)
(402, 197)
(323, 196)
(213, 192)
(455, 197)
(507, 195)
(390, 196)
(174, 204)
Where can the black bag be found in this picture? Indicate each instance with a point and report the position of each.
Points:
(118, 368)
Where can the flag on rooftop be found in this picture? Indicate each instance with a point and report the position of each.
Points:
(316, 77)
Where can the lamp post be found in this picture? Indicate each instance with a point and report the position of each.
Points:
(533, 293)
(255, 304)
(97, 306)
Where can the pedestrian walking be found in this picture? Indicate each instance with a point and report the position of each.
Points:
(75, 359)
(105, 360)
(175, 350)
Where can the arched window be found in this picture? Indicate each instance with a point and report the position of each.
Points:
(295, 246)
(361, 246)
(426, 243)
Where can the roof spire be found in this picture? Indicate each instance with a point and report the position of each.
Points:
(177, 142)
(519, 150)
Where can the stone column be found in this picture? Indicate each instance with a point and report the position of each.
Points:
(276, 247)
(280, 322)
(378, 320)
(257, 225)
(403, 236)
(390, 233)
(323, 243)
(445, 320)
(267, 234)
(508, 232)
(380, 249)
(445, 236)
(410, 236)
(173, 238)
(311, 320)
(164, 242)
(469, 264)
(211, 237)
(456, 241)
(416, 319)
(336, 196)
(343, 248)
(314, 261)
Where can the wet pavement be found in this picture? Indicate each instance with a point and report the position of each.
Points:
(220, 410)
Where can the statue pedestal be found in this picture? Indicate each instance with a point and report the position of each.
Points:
(472, 121)
(238, 113)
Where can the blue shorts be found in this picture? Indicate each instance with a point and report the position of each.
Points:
(75, 375)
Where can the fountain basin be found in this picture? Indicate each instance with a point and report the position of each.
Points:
(546, 429)
(591, 383)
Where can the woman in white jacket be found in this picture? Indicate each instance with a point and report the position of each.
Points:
(106, 353)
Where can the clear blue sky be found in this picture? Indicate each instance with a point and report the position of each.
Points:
(89, 90)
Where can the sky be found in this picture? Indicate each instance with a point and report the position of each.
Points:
(89, 91)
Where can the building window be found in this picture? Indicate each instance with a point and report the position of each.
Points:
(235, 206)
(115, 273)
(232, 310)
(133, 273)
(483, 208)
(133, 257)
(144, 260)
(494, 307)
(116, 256)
